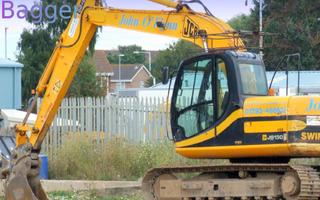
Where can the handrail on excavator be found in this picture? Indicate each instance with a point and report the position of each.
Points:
(168, 3)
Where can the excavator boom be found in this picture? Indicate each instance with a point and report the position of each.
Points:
(205, 31)
(168, 3)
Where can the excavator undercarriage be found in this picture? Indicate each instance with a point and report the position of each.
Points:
(234, 181)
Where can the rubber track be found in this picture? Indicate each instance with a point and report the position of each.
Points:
(308, 175)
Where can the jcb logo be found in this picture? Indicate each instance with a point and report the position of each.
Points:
(190, 28)
(264, 137)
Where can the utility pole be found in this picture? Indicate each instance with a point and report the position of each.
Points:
(150, 61)
(261, 27)
(261, 8)
(6, 42)
(120, 81)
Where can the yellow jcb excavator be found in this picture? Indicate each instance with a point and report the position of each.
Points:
(220, 108)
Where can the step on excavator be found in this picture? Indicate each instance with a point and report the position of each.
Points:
(220, 109)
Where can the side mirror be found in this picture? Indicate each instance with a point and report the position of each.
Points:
(165, 75)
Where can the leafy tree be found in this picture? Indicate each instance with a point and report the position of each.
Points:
(241, 22)
(173, 56)
(245, 23)
(35, 49)
(37, 45)
(129, 56)
(50, 21)
(296, 27)
(56, 25)
(84, 84)
(296, 23)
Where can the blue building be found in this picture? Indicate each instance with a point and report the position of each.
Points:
(10, 84)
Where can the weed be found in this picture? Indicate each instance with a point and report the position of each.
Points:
(89, 196)
(83, 157)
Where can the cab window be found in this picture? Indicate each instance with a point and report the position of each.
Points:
(222, 87)
(253, 79)
(201, 96)
(194, 98)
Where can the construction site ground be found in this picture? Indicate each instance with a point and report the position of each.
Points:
(85, 190)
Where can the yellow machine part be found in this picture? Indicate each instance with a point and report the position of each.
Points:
(63, 64)
(283, 115)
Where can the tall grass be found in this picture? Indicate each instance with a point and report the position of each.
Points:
(90, 196)
(82, 157)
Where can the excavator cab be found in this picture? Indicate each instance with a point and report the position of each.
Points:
(210, 87)
(221, 108)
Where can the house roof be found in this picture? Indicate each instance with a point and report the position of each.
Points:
(128, 72)
(154, 54)
(9, 63)
(102, 63)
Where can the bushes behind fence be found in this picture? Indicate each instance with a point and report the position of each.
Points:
(83, 157)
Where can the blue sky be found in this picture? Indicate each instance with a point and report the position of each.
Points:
(110, 38)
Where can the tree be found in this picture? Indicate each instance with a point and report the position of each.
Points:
(53, 24)
(36, 46)
(296, 23)
(173, 56)
(241, 22)
(296, 29)
(84, 84)
(35, 49)
(245, 23)
(129, 56)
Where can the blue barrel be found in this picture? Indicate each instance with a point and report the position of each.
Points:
(44, 168)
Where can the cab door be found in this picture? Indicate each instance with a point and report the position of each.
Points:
(200, 97)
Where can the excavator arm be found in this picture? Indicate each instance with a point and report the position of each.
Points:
(203, 30)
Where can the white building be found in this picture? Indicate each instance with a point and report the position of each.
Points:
(309, 82)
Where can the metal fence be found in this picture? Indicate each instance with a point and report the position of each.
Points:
(137, 120)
